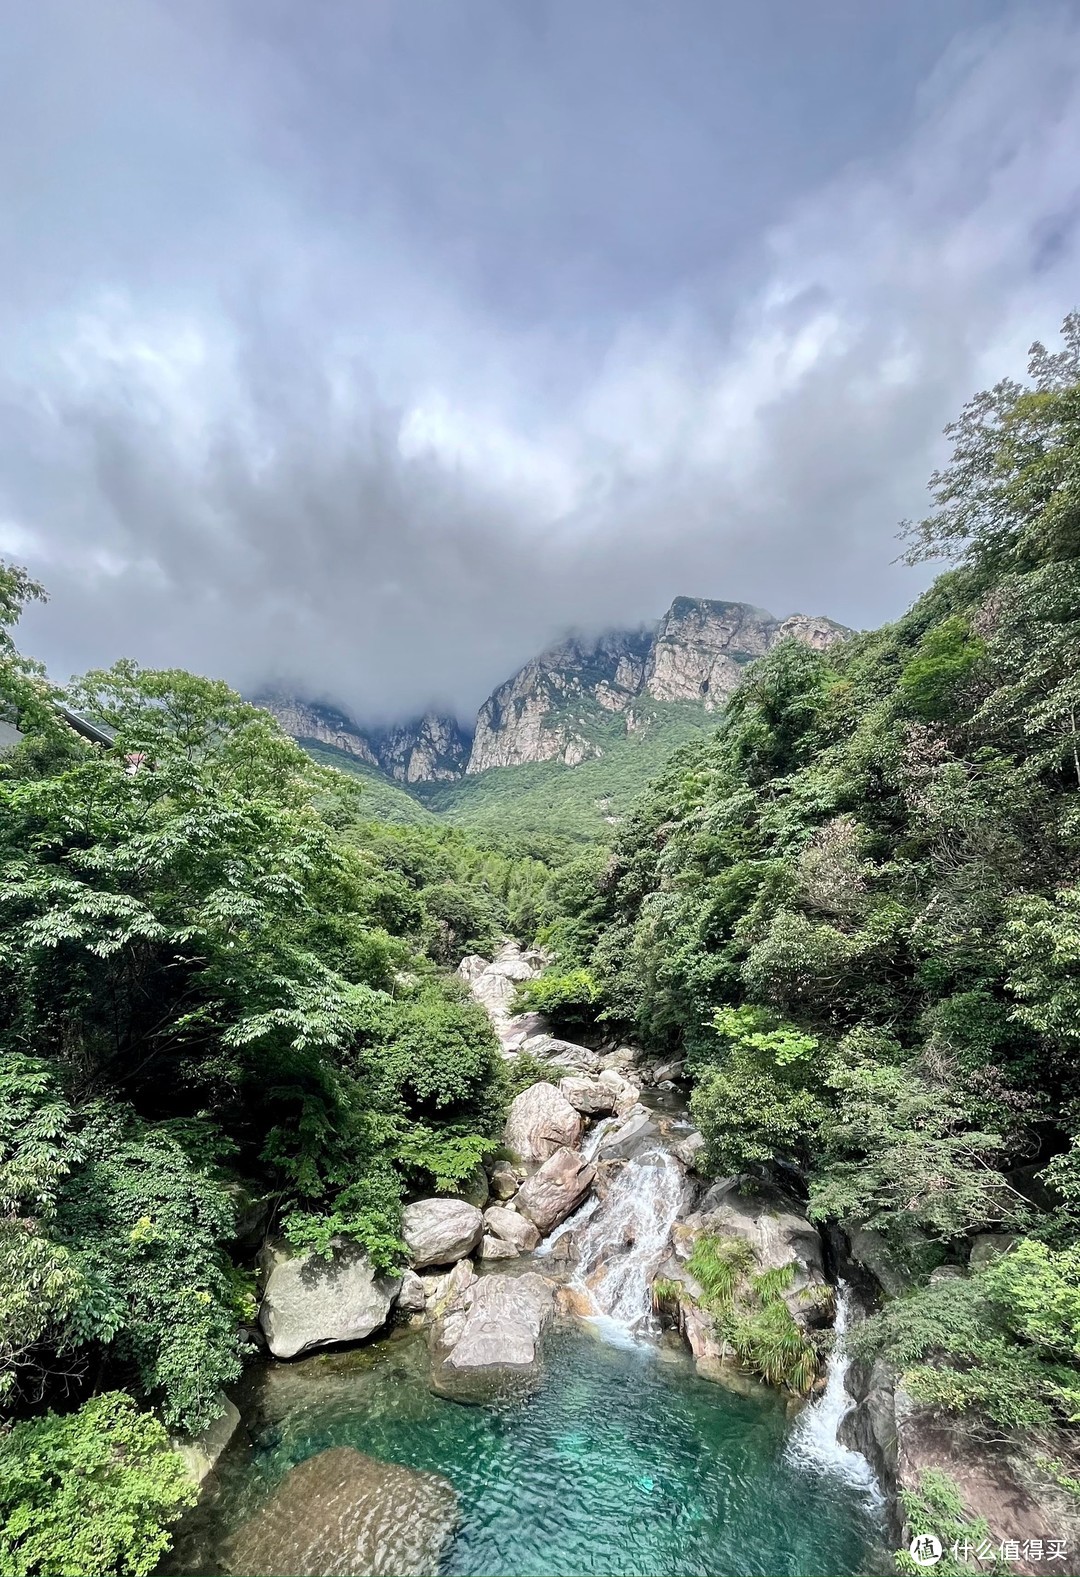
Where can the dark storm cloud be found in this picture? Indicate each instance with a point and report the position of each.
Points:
(364, 349)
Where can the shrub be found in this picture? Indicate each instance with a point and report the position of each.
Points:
(568, 999)
(89, 1494)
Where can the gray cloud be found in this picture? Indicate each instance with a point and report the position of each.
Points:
(365, 349)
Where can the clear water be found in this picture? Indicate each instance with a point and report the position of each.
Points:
(623, 1462)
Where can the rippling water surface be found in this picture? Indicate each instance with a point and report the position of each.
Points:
(623, 1462)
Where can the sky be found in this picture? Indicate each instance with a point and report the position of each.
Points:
(362, 348)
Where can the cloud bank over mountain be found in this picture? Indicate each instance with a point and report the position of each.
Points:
(362, 352)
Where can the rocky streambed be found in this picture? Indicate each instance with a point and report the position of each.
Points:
(522, 1409)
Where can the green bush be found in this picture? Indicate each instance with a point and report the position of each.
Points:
(568, 1000)
(89, 1494)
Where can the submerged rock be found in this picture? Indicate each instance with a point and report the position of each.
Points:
(310, 1303)
(490, 1335)
(441, 1231)
(556, 1190)
(541, 1121)
(342, 1512)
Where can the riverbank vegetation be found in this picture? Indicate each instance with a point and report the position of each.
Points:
(854, 910)
(223, 997)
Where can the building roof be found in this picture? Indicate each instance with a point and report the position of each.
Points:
(9, 737)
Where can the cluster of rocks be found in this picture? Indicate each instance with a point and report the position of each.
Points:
(494, 984)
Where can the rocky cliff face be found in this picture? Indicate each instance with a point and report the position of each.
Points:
(432, 749)
(304, 720)
(698, 652)
(543, 712)
(563, 704)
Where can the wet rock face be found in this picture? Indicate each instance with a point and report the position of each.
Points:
(343, 1512)
(310, 1303)
(541, 1121)
(555, 1191)
(441, 1231)
(632, 1139)
(490, 1335)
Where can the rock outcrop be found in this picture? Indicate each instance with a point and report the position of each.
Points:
(310, 1302)
(489, 1336)
(440, 1231)
(342, 1511)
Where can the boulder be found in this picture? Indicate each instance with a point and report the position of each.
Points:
(440, 1231)
(441, 1290)
(310, 1302)
(495, 984)
(556, 1190)
(412, 1299)
(200, 1452)
(873, 1252)
(631, 1139)
(689, 1148)
(563, 1054)
(506, 1179)
(776, 1232)
(490, 1336)
(627, 1093)
(342, 1511)
(541, 1121)
(512, 1228)
(987, 1246)
(590, 1096)
(666, 1072)
(514, 1032)
(496, 1248)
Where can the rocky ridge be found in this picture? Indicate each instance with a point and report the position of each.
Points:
(565, 703)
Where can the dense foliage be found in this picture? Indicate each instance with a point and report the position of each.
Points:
(224, 990)
(856, 911)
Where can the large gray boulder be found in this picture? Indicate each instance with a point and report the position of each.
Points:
(495, 1248)
(490, 1335)
(627, 1092)
(512, 1227)
(556, 1190)
(310, 1302)
(341, 1512)
(589, 1096)
(541, 1121)
(441, 1231)
(633, 1138)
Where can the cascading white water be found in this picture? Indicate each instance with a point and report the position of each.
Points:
(627, 1238)
(812, 1443)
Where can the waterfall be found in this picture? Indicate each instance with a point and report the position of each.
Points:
(626, 1240)
(812, 1443)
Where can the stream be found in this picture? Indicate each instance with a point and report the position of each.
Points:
(622, 1460)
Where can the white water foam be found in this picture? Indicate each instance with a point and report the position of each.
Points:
(627, 1240)
(812, 1443)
